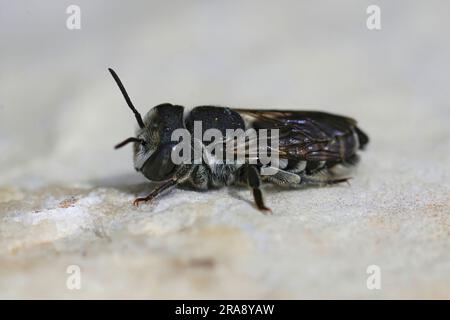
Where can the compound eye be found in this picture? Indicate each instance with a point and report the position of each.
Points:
(159, 166)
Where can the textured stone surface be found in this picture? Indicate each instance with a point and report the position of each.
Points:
(65, 194)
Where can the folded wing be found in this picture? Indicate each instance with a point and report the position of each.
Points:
(310, 135)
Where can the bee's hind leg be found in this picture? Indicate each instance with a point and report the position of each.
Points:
(254, 181)
(323, 182)
(156, 192)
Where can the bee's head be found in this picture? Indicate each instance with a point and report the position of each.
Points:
(152, 155)
(152, 144)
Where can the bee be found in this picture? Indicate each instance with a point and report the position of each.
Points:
(310, 144)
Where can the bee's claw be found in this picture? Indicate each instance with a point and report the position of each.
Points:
(266, 211)
(136, 201)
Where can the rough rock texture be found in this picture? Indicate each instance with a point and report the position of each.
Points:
(65, 194)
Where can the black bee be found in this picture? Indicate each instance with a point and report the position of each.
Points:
(310, 144)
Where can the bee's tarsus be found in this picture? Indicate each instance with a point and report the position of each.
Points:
(257, 195)
(156, 192)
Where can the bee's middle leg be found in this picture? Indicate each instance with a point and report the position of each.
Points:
(254, 182)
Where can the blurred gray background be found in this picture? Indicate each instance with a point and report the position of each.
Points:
(65, 194)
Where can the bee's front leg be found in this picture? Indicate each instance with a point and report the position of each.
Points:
(180, 176)
(254, 181)
(156, 192)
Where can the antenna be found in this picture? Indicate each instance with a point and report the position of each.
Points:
(127, 98)
(127, 141)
